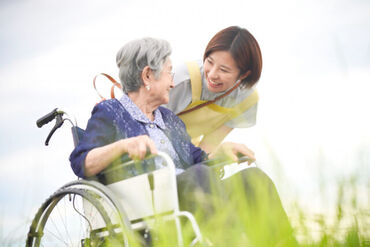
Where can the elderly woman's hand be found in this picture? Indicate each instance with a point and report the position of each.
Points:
(232, 150)
(137, 147)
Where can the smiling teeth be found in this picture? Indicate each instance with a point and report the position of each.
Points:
(214, 83)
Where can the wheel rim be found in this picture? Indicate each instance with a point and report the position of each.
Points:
(71, 217)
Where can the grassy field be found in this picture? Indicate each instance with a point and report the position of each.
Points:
(347, 224)
(238, 224)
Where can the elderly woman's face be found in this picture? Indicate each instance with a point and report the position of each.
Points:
(161, 87)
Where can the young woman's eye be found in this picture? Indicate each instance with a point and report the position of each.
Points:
(224, 70)
(209, 61)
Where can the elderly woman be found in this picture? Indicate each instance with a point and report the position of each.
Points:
(136, 124)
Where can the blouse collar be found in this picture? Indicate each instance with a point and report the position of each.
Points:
(138, 115)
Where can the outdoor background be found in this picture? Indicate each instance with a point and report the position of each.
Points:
(313, 121)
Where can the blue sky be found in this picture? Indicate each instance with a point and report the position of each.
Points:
(313, 112)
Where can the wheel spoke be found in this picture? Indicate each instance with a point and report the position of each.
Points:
(64, 222)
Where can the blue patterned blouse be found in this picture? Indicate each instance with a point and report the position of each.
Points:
(112, 120)
(154, 129)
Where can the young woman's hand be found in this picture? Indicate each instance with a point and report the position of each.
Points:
(233, 151)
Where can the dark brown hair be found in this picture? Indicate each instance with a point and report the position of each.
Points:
(243, 48)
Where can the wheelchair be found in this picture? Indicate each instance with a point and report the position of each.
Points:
(113, 208)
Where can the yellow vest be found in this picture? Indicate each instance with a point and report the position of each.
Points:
(207, 119)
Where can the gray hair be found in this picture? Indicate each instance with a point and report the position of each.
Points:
(134, 56)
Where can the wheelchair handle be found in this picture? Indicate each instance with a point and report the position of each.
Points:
(48, 117)
(242, 159)
(54, 114)
(222, 161)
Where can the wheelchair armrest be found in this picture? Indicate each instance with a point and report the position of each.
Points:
(131, 168)
(219, 164)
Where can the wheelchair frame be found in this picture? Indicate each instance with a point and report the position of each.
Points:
(104, 219)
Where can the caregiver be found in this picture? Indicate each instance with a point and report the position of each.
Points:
(216, 95)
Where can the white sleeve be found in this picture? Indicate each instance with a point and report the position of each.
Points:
(245, 120)
(180, 95)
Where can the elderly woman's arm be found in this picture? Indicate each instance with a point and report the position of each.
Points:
(103, 144)
(99, 158)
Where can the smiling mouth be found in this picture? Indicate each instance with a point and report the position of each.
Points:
(214, 84)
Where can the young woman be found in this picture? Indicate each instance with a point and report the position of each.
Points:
(216, 95)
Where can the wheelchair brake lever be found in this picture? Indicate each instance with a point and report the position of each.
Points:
(59, 122)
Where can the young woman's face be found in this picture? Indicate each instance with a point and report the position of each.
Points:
(221, 71)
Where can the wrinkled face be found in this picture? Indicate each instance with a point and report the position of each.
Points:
(161, 87)
(221, 71)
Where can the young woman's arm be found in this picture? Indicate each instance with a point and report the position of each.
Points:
(211, 141)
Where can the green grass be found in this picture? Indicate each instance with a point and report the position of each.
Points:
(239, 223)
(346, 224)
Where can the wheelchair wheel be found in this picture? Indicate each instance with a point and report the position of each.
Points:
(79, 214)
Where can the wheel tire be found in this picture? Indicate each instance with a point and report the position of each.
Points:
(61, 221)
